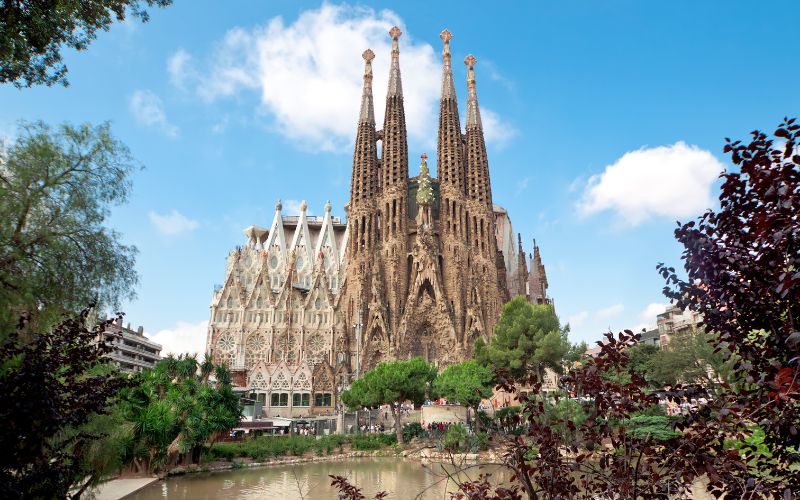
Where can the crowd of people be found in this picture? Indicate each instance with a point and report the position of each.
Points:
(437, 428)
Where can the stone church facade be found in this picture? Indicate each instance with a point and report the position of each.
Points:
(422, 266)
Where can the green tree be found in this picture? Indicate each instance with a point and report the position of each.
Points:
(56, 188)
(690, 358)
(392, 383)
(176, 408)
(32, 33)
(527, 339)
(642, 358)
(468, 383)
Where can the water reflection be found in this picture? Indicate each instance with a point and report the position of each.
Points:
(401, 478)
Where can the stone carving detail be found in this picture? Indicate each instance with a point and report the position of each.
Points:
(259, 381)
(301, 382)
(280, 382)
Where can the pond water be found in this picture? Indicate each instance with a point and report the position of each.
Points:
(403, 479)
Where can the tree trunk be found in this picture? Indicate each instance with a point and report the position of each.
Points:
(398, 427)
(477, 421)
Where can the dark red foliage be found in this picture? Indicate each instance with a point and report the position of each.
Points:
(48, 385)
(743, 274)
(348, 491)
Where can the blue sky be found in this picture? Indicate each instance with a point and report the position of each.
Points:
(605, 123)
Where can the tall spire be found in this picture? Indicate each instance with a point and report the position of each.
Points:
(449, 147)
(367, 114)
(364, 183)
(479, 187)
(395, 85)
(473, 113)
(448, 87)
(395, 142)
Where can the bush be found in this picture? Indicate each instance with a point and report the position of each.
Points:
(482, 440)
(656, 427)
(456, 438)
(265, 447)
(412, 430)
(372, 441)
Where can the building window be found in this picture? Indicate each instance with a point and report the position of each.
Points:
(280, 399)
(322, 399)
(301, 399)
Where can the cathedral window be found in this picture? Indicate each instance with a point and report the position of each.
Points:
(301, 399)
(317, 303)
(280, 399)
(323, 399)
(273, 262)
(229, 302)
(259, 303)
(300, 262)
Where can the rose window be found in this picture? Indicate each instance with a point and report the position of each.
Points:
(256, 349)
(316, 349)
(226, 343)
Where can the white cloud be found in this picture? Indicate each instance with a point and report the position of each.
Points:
(670, 181)
(496, 130)
(647, 317)
(173, 223)
(577, 320)
(292, 207)
(148, 109)
(610, 312)
(308, 75)
(183, 338)
(180, 68)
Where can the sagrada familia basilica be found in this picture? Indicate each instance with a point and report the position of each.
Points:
(422, 266)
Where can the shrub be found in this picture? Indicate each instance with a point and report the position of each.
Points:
(482, 440)
(456, 438)
(372, 441)
(412, 430)
(656, 427)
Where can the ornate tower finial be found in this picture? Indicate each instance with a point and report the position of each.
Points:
(395, 34)
(303, 206)
(395, 87)
(367, 114)
(328, 206)
(448, 88)
(473, 114)
(368, 56)
(278, 206)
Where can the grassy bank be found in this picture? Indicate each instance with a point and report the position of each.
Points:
(266, 447)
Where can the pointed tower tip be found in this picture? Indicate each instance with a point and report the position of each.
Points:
(328, 206)
(367, 113)
(395, 87)
(278, 206)
(473, 114)
(303, 206)
(448, 87)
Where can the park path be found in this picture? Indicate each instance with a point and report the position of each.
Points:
(121, 488)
